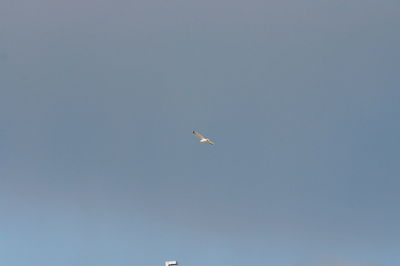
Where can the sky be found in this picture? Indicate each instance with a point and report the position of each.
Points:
(98, 165)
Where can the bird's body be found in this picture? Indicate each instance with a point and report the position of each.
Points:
(202, 138)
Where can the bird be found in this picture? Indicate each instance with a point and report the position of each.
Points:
(202, 138)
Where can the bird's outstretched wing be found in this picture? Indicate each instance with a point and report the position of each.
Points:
(197, 134)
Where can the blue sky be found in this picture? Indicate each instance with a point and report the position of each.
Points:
(98, 165)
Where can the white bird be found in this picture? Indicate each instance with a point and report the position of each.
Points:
(202, 138)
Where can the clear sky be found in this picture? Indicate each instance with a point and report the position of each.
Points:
(98, 165)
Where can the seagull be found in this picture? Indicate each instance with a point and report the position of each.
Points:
(202, 138)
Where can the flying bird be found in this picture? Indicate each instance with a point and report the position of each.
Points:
(202, 138)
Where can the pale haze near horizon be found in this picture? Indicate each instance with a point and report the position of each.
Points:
(98, 165)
